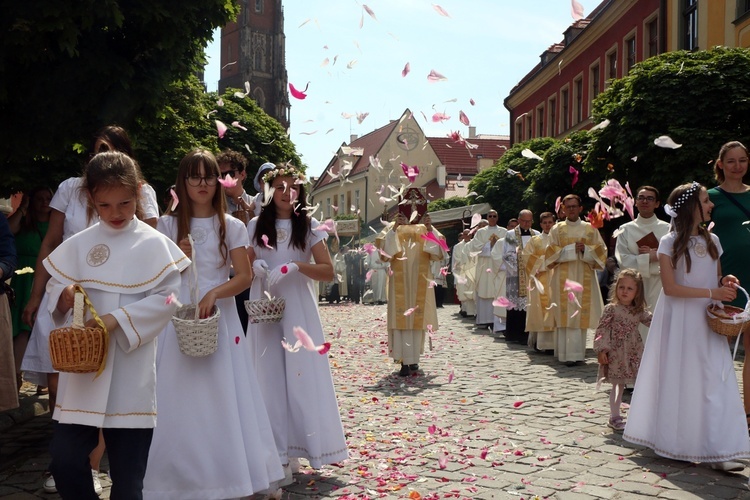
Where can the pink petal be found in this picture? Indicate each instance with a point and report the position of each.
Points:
(502, 302)
(410, 311)
(463, 118)
(221, 128)
(475, 219)
(557, 204)
(434, 76)
(483, 453)
(440, 117)
(443, 461)
(406, 70)
(573, 171)
(369, 11)
(440, 10)
(440, 242)
(517, 404)
(264, 238)
(431, 429)
(172, 299)
(368, 275)
(237, 124)
(228, 181)
(304, 338)
(369, 248)
(237, 340)
(576, 10)
(175, 200)
(322, 349)
(296, 93)
(573, 286)
(471, 101)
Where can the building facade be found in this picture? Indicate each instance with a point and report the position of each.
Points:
(365, 175)
(253, 50)
(555, 98)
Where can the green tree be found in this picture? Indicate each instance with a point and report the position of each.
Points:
(68, 68)
(446, 203)
(501, 185)
(700, 99)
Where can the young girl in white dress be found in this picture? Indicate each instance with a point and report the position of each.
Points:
(128, 270)
(297, 386)
(617, 342)
(213, 439)
(686, 403)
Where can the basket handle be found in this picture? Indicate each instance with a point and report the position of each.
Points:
(80, 299)
(194, 292)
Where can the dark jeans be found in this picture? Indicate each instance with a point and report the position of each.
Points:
(439, 295)
(516, 326)
(127, 450)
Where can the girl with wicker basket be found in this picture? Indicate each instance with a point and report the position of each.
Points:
(290, 255)
(618, 342)
(214, 438)
(686, 403)
(127, 270)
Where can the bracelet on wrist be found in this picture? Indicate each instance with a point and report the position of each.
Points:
(710, 295)
(721, 281)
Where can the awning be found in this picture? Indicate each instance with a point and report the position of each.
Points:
(458, 213)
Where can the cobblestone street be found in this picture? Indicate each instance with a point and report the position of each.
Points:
(486, 419)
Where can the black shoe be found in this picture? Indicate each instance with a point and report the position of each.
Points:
(414, 368)
(404, 372)
(462, 314)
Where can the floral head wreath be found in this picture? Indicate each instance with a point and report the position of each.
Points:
(285, 171)
(685, 196)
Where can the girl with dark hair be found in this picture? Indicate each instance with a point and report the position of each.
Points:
(227, 453)
(289, 254)
(686, 404)
(128, 271)
(29, 225)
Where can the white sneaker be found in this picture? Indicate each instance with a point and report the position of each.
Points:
(728, 466)
(97, 482)
(49, 485)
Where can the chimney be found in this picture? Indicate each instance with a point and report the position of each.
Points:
(353, 138)
(472, 132)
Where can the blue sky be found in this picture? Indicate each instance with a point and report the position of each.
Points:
(483, 49)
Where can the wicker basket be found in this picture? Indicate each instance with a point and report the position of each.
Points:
(723, 319)
(77, 348)
(266, 309)
(196, 336)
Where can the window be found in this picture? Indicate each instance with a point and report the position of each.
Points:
(629, 54)
(328, 207)
(594, 88)
(342, 204)
(259, 6)
(578, 97)
(529, 126)
(519, 130)
(612, 64)
(540, 121)
(564, 110)
(356, 198)
(690, 24)
(552, 121)
(652, 32)
(743, 6)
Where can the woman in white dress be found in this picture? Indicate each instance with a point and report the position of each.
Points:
(213, 439)
(297, 386)
(686, 403)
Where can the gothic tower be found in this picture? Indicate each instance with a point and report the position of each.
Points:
(253, 50)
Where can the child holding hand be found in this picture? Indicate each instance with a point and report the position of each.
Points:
(617, 342)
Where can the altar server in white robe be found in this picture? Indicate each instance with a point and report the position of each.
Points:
(490, 278)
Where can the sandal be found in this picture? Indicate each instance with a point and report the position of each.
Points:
(616, 423)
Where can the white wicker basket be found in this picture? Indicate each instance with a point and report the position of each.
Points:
(265, 310)
(196, 336)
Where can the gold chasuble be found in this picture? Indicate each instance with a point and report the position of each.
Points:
(411, 303)
(576, 266)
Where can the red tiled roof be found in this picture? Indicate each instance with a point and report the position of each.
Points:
(371, 143)
(460, 160)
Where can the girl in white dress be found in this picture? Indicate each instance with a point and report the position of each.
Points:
(213, 439)
(297, 386)
(686, 403)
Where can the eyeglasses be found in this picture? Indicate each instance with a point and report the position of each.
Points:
(232, 173)
(492, 216)
(570, 207)
(195, 180)
(646, 198)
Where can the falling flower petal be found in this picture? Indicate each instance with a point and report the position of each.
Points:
(221, 128)
(440, 10)
(440, 117)
(227, 181)
(576, 10)
(369, 11)
(410, 311)
(471, 101)
(172, 299)
(406, 70)
(25, 270)
(438, 241)
(527, 153)
(573, 171)
(296, 93)
(475, 219)
(434, 76)
(573, 286)
(175, 199)
(361, 117)
(303, 338)
(601, 125)
(264, 238)
(503, 302)
(463, 118)
(411, 172)
(237, 125)
(665, 141)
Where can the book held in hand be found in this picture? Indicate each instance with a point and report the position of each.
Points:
(648, 241)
